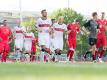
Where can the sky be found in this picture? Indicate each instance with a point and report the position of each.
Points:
(85, 7)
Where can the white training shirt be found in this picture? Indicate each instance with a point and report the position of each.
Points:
(44, 25)
(59, 29)
(19, 32)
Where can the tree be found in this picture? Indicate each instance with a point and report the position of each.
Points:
(30, 24)
(68, 14)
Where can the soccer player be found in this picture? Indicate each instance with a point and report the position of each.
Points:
(44, 28)
(73, 29)
(5, 40)
(91, 28)
(101, 37)
(29, 36)
(19, 39)
(59, 29)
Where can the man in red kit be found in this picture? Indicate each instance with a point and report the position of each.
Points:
(34, 42)
(5, 40)
(101, 37)
(73, 28)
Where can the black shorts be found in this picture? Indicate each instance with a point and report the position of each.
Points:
(92, 41)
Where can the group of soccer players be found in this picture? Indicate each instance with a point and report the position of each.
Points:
(22, 38)
(51, 36)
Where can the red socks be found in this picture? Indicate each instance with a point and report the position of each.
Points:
(71, 55)
(32, 58)
(4, 56)
(94, 55)
(102, 53)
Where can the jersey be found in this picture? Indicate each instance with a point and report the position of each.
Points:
(28, 41)
(19, 32)
(102, 24)
(58, 35)
(44, 25)
(59, 30)
(29, 37)
(92, 26)
(74, 27)
(44, 35)
(5, 33)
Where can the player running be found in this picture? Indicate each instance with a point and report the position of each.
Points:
(59, 29)
(91, 28)
(101, 37)
(73, 29)
(5, 40)
(43, 27)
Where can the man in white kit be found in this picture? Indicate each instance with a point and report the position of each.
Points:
(59, 29)
(43, 26)
(19, 40)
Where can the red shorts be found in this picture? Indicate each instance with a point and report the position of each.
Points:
(4, 47)
(33, 49)
(72, 43)
(101, 41)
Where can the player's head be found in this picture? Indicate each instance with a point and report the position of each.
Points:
(77, 21)
(61, 19)
(94, 15)
(44, 13)
(18, 23)
(4, 22)
(53, 21)
(102, 15)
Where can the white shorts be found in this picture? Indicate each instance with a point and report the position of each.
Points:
(19, 43)
(44, 39)
(58, 43)
(27, 46)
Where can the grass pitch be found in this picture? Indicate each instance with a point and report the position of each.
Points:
(53, 71)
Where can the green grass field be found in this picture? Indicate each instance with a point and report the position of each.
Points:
(53, 71)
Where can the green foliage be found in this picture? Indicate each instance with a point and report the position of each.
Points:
(30, 25)
(68, 14)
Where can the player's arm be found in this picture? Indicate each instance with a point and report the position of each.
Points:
(11, 37)
(37, 28)
(13, 33)
(24, 31)
(106, 27)
(68, 29)
(85, 28)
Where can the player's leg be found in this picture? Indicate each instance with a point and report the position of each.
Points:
(5, 52)
(47, 48)
(57, 55)
(27, 46)
(71, 50)
(93, 45)
(103, 48)
(32, 56)
(18, 48)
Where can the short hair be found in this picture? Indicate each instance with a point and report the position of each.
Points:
(4, 20)
(52, 19)
(77, 20)
(94, 14)
(103, 13)
(43, 10)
